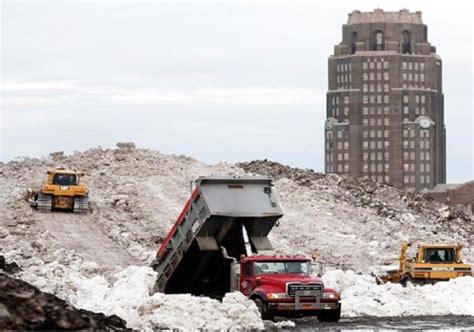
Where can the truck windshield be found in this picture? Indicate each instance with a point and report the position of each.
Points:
(439, 255)
(64, 179)
(282, 267)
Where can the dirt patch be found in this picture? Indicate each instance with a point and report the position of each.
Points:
(23, 306)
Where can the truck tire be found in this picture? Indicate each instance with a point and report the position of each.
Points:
(329, 315)
(263, 308)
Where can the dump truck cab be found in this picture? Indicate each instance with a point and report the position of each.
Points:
(284, 286)
(213, 248)
(62, 190)
(432, 263)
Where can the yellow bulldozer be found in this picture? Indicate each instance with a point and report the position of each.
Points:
(62, 190)
(432, 263)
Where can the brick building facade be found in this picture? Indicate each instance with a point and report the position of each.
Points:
(385, 116)
(454, 194)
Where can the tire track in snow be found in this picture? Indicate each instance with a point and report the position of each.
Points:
(83, 234)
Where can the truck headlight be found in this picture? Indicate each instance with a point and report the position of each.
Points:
(276, 296)
(331, 296)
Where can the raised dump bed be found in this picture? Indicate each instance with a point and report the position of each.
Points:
(235, 213)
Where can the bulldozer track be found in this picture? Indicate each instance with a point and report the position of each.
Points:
(81, 205)
(83, 234)
(44, 203)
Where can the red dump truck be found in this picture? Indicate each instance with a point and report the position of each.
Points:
(215, 247)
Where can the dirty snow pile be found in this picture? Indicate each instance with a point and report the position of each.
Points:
(362, 298)
(96, 261)
(356, 223)
(128, 297)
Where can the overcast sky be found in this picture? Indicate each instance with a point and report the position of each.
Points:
(216, 80)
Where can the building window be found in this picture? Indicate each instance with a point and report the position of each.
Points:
(378, 41)
(406, 42)
(364, 65)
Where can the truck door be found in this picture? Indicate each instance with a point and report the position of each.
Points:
(246, 278)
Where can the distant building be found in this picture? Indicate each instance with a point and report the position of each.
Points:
(454, 194)
(385, 116)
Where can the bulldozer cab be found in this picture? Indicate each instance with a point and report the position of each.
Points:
(439, 254)
(61, 177)
(64, 179)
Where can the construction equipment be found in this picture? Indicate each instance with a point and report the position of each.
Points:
(62, 190)
(432, 263)
(212, 249)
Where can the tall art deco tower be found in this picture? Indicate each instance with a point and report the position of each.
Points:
(385, 116)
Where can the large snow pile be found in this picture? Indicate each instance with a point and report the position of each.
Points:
(355, 223)
(136, 195)
(362, 298)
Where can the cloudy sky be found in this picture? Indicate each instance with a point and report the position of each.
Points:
(217, 80)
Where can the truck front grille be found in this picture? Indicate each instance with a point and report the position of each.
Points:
(301, 288)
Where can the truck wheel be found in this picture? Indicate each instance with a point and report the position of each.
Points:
(263, 308)
(329, 315)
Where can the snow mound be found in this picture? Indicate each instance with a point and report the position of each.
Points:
(361, 296)
(129, 297)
